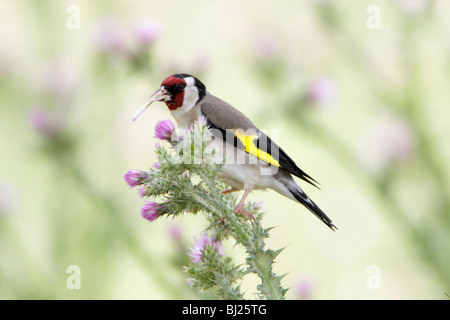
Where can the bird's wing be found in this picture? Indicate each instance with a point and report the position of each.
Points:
(236, 128)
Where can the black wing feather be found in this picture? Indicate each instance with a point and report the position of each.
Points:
(264, 143)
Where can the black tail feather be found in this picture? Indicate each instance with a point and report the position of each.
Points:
(314, 208)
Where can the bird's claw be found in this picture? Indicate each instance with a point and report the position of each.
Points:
(238, 210)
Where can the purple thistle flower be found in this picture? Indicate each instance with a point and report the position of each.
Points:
(174, 231)
(135, 177)
(202, 121)
(164, 130)
(190, 282)
(198, 250)
(156, 165)
(43, 122)
(391, 140)
(59, 77)
(146, 31)
(151, 211)
(201, 62)
(265, 47)
(304, 287)
(321, 91)
(142, 192)
(157, 146)
(110, 37)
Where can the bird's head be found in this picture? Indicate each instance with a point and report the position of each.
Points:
(180, 91)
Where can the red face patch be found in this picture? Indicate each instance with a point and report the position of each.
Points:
(170, 81)
(172, 84)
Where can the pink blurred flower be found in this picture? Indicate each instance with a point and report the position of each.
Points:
(59, 77)
(321, 91)
(142, 192)
(156, 165)
(174, 231)
(190, 282)
(43, 122)
(265, 47)
(198, 250)
(146, 31)
(201, 62)
(303, 287)
(202, 121)
(152, 210)
(389, 139)
(111, 38)
(135, 177)
(164, 130)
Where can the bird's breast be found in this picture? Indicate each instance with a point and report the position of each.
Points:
(186, 117)
(242, 168)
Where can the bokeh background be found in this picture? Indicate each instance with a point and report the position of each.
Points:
(358, 91)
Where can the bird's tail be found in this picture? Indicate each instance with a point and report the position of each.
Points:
(301, 197)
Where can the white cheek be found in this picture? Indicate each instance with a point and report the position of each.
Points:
(189, 101)
(190, 98)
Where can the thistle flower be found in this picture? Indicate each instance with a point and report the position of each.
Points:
(44, 123)
(304, 287)
(146, 31)
(197, 252)
(152, 210)
(110, 37)
(265, 47)
(135, 177)
(156, 165)
(142, 192)
(321, 91)
(202, 121)
(164, 130)
(157, 146)
(201, 62)
(190, 282)
(174, 231)
(59, 77)
(391, 141)
(209, 268)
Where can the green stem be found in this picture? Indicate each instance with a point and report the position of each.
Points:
(252, 239)
(270, 284)
(219, 209)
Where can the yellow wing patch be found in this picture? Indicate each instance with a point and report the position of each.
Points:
(250, 147)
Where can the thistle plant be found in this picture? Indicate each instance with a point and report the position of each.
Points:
(185, 179)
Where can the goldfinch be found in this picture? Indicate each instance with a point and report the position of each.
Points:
(252, 160)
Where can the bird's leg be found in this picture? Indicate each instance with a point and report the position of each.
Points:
(240, 205)
(229, 191)
(225, 192)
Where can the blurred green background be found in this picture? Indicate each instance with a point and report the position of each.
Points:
(358, 91)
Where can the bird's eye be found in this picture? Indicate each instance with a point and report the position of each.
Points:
(180, 87)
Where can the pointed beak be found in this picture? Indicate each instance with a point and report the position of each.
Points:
(159, 95)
